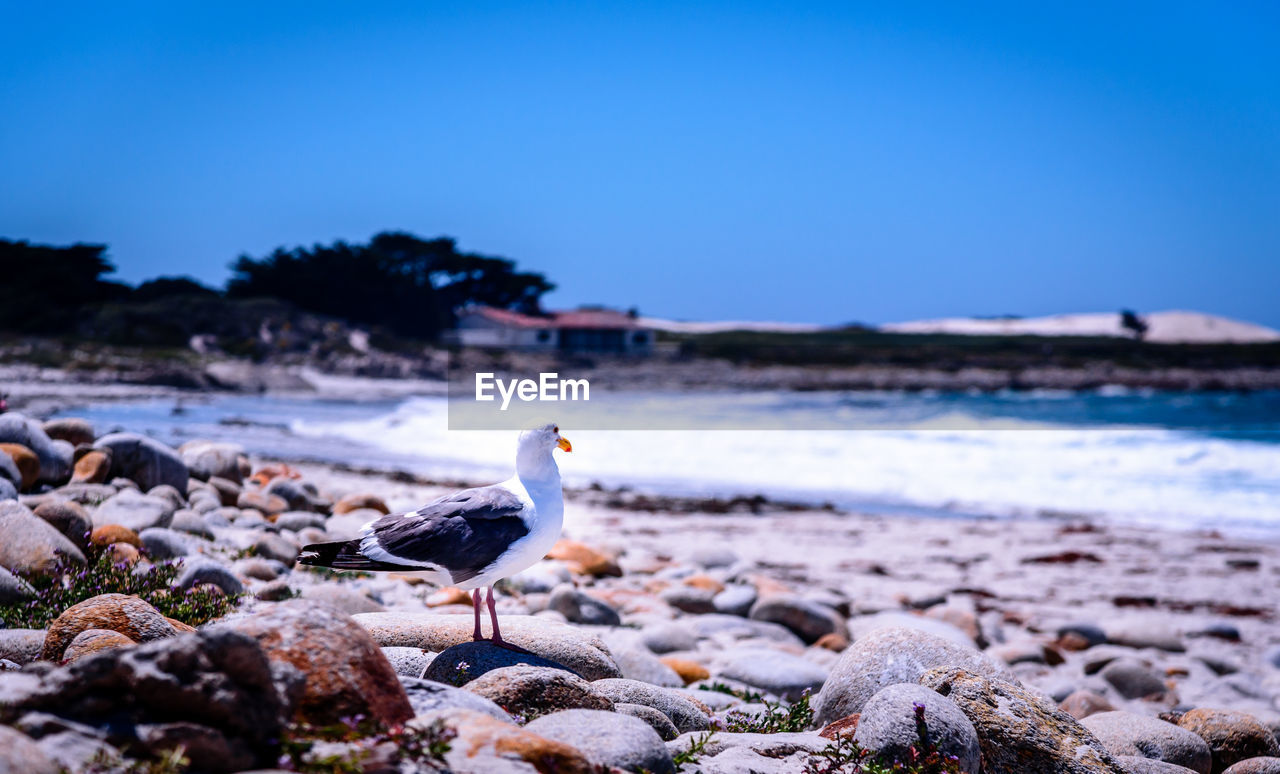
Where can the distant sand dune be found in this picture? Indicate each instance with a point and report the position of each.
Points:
(1169, 327)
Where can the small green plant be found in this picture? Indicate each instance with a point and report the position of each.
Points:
(776, 718)
(694, 751)
(363, 741)
(69, 585)
(172, 762)
(846, 756)
(719, 687)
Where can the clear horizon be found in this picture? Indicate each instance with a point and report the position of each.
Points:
(823, 164)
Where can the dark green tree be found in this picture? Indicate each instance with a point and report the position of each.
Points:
(46, 289)
(1130, 321)
(410, 285)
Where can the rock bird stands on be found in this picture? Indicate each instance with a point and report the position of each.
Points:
(470, 539)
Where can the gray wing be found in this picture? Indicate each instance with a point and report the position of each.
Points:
(464, 532)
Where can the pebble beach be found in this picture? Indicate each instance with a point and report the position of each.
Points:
(660, 634)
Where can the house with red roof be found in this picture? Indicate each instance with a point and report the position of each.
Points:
(585, 330)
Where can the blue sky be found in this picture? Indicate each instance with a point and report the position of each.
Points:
(822, 163)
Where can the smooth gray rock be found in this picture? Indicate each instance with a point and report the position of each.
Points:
(582, 608)
(1128, 733)
(346, 599)
(534, 691)
(69, 518)
(1133, 679)
(201, 570)
(207, 459)
(8, 490)
(162, 543)
(409, 662)
(20, 754)
(690, 599)
(1255, 766)
(14, 589)
(1090, 632)
(656, 720)
(861, 626)
(299, 520)
(807, 619)
(192, 523)
(770, 745)
(636, 661)
(55, 456)
(683, 713)
(9, 471)
(774, 671)
(735, 599)
(73, 430)
(732, 627)
(608, 739)
(32, 545)
(278, 547)
(135, 510)
(888, 725)
(890, 656)
(668, 637)
(1134, 764)
(1145, 632)
(22, 646)
(145, 461)
(292, 492)
(427, 695)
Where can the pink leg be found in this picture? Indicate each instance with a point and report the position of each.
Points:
(475, 604)
(493, 618)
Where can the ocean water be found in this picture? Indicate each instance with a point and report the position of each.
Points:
(1181, 460)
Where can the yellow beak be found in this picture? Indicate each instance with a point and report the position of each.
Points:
(563, 443)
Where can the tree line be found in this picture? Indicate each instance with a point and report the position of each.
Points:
(410, 286)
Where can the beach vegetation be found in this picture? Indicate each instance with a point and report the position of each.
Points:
(845, 756)
(69, 585)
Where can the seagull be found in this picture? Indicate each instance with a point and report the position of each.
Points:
(470, 539)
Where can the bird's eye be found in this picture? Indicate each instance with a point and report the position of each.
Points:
(555, 429)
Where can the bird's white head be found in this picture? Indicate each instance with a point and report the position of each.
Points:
(533, 451)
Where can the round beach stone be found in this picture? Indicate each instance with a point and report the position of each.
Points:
(1255, 766)
(561, 643)
(20, 754)
(690, 599)
(8, 490)
(888, 725)
(111, 534)
(1136, 764)
(774, 671)
(427, 695)
(192, 523)
(636, 661)
(1231, 736)
(21, 646)
(161, 543)
(1128, 733)
(668, 637)
(30, 544)
(197, 570)
(145, 461)
(580, 607)
(466, 661)
(1082, 703)
(278, 547)
(1019, 731)
(533, 691)
(408, 662)
(122, 613)
(608, 739)
(69, 518)
(25, 460)
(656, 720)
(207, 459)
(345, 672)
(93, 467)
(735, 599)
(54, 456)
(14, 589)
(809, 620)
(485, 744)
(682, 711)
(890, 656)
(73, 430)
(91, 641)
(1133, 679)
(135, 510)
(359, 500)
